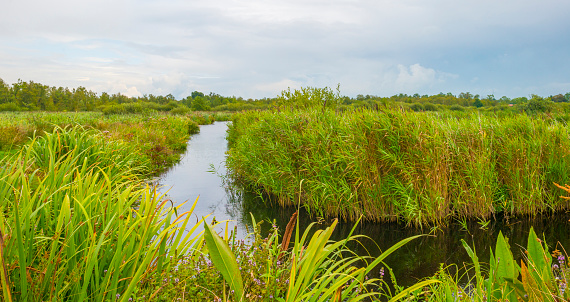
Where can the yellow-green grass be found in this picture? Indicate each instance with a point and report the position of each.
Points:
(79, 222)
(398, 165)
(161, 137)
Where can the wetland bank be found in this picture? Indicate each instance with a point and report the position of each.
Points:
(86, 225)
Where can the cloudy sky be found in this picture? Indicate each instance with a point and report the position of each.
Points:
(256, 48)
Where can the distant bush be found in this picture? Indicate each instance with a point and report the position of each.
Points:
(430, 107)
(310, 97)
(144, 107)
(456, 107)
(235, 107)
(180, 110)
(11, 107)
(417, 107)
(537, 104)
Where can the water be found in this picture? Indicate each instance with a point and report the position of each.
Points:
(192, 177)
(197, 175)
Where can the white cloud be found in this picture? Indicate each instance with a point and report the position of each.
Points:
(132, 91)
(414, 77)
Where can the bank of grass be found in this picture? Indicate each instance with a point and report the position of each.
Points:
(79, 223)
(420, 168)
(161, 137)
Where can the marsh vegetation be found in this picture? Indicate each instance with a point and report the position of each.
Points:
(80, 222)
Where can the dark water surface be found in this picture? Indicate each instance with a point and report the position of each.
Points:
(192, 177)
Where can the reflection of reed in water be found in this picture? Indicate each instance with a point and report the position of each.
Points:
(423, 257)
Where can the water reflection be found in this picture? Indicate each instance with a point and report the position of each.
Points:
(423, 256)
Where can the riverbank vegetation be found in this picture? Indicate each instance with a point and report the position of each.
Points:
(78, 222)
(162, 138)
(394, 164)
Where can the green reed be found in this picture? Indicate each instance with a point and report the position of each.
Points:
(80, 223)
(161, 137)
(398, 165)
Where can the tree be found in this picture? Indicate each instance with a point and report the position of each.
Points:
(505, 99)
(465, 95)
(199, 104)
(478, 103)
(196, 94)
(558, 98)
(537, 104)
(309, 97)
(5, 94)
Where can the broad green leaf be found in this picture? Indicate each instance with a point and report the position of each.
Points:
(536, 254)
(224, 260)
(504, 257)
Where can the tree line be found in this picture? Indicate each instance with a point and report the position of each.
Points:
(32, 96)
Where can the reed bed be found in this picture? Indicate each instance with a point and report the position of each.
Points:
(79, 222)
(161, 137)
(420, 168)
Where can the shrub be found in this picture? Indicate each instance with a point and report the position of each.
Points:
(430, 107)
(180, 110)
(11, 107)
(417, 107)
(456, 107)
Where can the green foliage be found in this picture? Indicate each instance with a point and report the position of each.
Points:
(309, 98)
(537, 105)
(536, 279)
(393, 164)
(10, 107)
(417, 107)
(180, 110)
(31, 96)
(200, 104)
(83, 224)
(478, 103)
(161, 137)
(193, 127)
(430, 107)
(456, 107)
(225, 261)
(85, 227)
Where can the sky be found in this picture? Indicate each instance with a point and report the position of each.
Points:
(257, 48)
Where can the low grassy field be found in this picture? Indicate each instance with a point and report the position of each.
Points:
(420, 168)
(161, 137)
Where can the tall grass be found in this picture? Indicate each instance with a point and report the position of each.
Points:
(79, 222)
(161, 137)
(398, 165)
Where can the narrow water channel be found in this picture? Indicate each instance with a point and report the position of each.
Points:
(198, 175)
(193, 177)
